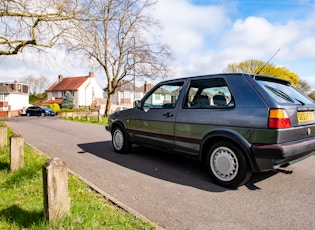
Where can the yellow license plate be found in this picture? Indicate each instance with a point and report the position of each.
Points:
(305, 116)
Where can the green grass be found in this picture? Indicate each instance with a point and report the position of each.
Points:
(93, 120)
(21, 202)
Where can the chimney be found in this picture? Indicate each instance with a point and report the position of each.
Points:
(14, 87)
(60, 77)
(91, 74)
(145, 87)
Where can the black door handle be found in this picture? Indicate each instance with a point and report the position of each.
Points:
(168, 114)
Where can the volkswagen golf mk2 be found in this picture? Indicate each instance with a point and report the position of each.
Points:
(236, 123)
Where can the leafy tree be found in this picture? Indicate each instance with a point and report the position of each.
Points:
(256, 66)
(67, 101)
(37, 98)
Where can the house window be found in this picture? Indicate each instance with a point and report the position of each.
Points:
(138, 96)
(4, 108)
(64, 92)
(126, 94)
(55, 94)
(3, 97)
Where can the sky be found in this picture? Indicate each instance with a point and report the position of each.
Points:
(205, 36)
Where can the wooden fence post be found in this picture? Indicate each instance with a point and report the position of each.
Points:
(16, 152)
(99, 116)
(3, 136)
(55, 185)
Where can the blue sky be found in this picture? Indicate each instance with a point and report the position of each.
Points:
(205, 36)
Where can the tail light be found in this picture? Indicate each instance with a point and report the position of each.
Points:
(278, 119)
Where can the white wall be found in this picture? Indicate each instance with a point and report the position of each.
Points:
(18, 101)
(88, 91)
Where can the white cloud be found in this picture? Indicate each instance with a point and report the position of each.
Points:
(186, 26)
(204, 39)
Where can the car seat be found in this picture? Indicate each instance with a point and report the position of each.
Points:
(219, 100)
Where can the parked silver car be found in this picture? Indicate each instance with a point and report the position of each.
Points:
(235, 123)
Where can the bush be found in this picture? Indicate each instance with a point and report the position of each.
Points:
(54, 107)
(81, 109)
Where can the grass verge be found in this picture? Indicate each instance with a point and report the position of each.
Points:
(93, 120)
(21, 203)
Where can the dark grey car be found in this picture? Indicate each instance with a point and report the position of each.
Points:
(39, 111)
(235, 123)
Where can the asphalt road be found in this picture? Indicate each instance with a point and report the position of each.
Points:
(171, 191)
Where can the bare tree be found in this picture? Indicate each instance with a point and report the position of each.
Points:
(36, 84)
(121, 38)
(305, 87)
(35, 23)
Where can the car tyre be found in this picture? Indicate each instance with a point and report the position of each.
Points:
(227, 165)
(28, 114)
(120, 141)
(42, 114)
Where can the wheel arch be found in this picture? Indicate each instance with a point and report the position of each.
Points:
(122, 125)
(232, 137)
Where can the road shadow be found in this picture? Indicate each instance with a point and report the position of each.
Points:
(164, 165)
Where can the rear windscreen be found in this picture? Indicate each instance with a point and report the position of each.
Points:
(284, 93)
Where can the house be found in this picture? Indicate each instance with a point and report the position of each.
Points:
(14, 98)
(127, 93)
(85, 90)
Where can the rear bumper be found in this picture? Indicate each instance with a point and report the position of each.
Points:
(279, 155)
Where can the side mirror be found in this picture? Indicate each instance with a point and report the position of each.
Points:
(138, 104)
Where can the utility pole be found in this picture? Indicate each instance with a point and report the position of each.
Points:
(134, 69)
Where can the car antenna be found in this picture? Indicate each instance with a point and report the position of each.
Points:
(268, 61)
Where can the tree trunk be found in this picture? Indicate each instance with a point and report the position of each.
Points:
(108, 104)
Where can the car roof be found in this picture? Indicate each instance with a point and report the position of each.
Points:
(254, 76)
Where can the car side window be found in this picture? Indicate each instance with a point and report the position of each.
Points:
(165, 96)
(208, 93)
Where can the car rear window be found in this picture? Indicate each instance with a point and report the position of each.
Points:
(284, 93)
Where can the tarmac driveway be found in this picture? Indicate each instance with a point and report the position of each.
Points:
(171, 191)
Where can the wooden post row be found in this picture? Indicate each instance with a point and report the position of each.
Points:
(55, 185)
(3, 136)
(16, 152)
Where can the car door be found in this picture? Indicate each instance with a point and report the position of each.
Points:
(153, 122)
(37, 111)
(207, 105)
